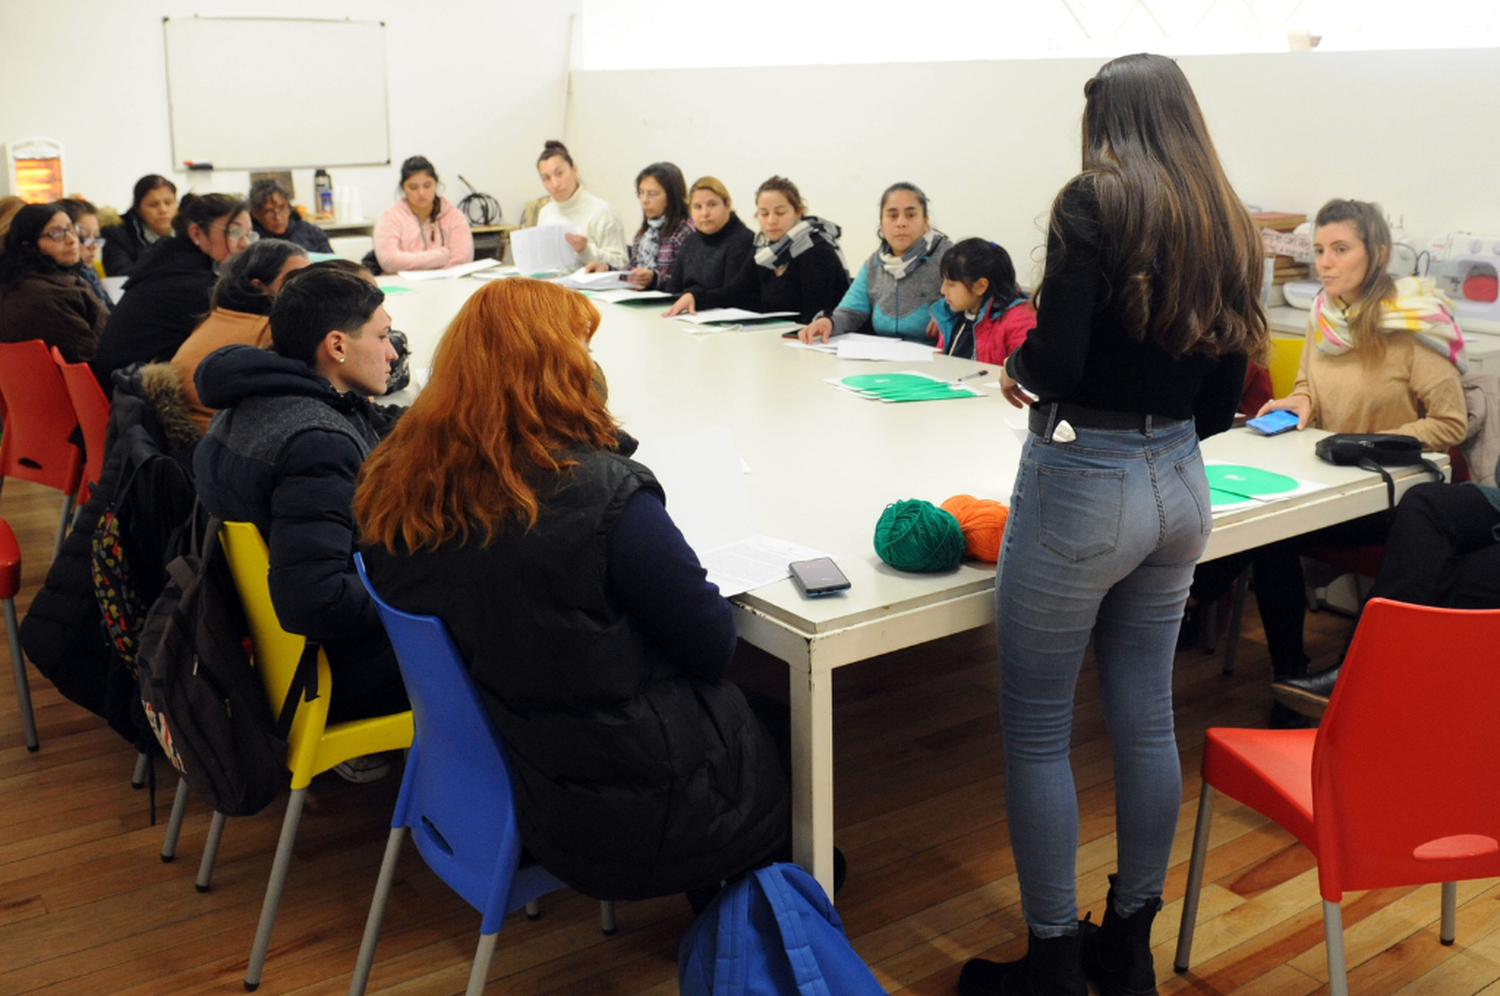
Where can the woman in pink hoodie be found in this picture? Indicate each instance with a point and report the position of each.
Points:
(422, 231)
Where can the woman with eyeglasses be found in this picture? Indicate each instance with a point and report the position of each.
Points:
(153, 205)
(168, 294)
(41, 296)
(274, 217)
(86, 217)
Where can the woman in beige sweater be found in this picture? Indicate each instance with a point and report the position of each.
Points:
(1381, 355)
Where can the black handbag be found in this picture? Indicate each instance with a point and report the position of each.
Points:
(1375, 451)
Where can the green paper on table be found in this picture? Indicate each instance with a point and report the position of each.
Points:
(322, 257)
(906, 387)
(1230, 484)
(395, 289)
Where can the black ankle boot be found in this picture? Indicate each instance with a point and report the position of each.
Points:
(1053, 966)
(1117, 954)
(1309, 695)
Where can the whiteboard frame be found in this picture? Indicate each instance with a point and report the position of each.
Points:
(178, 162)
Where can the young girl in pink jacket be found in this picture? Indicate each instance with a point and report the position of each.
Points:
(422, 231)
(990, 314)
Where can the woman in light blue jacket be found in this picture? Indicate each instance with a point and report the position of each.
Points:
(893, 294)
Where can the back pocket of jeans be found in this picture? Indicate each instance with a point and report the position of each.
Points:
(1080, 510)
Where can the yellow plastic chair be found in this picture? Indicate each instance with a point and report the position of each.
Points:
(313, 745)
(1286, 357)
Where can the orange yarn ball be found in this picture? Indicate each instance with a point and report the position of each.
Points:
(983, 523)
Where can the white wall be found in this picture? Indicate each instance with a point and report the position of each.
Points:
(991, 142)
(475, 85)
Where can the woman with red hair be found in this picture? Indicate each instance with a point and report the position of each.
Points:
(506, 504)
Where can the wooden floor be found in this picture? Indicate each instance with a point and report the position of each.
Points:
(86, 906)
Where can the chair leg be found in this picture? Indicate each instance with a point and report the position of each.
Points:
(274, 887)
(481, 970)
(18, 665)
(62, 525)
(210, 853)
(1195, 877)
(1236, 620)
(138, 777)
(174, 822)
(1333, 932)
(607, 917)
(1449, 926)
(383, 884)
(534, 910)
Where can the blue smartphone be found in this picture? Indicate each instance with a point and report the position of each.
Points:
(1271, 423)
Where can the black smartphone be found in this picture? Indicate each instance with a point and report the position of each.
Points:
(1274, 422)
(818, 577)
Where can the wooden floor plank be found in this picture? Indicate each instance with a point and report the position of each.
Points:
(86, 906)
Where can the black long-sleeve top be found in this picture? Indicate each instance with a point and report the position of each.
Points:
(706, 263)
(812, 282)
(1080, 353)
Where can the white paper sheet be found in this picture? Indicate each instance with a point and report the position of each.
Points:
(451, 272)
(730, 315)
(626, 294)
(497, 273)
(704, 479)
(543, 249)
(858, 346)
(752, 562)
(581, 279)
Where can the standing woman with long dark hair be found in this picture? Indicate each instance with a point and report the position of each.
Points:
(1149, 305)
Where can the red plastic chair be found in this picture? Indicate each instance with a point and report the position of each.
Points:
(1397, 787)
(38, 423)
(10, 584)
(91, 408)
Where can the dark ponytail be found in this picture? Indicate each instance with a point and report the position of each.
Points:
(202, 209)
(975, 259)
(552, 147)
(420, 164)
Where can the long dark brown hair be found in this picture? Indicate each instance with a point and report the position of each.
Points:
(670, 178)
(1178, 250)
(1377, 287)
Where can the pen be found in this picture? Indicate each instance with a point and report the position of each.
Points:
(976, 373)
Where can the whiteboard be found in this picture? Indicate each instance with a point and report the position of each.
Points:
(277, 93)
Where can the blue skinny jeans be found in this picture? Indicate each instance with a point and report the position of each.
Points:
(1101, 539)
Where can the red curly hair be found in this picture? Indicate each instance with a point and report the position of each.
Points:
(512, 385)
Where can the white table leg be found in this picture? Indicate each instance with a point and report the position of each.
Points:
(812, 773)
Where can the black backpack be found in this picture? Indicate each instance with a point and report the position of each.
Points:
(202, 698)
(1375, 451)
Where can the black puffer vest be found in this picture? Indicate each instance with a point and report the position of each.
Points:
(632, 779)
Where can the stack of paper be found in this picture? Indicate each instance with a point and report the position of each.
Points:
(728, 319)
(909, 385)
(626, 295)
(581, 279)
(543, 249)
(858, 346)
(451, 272)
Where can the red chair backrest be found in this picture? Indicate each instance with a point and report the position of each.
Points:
(1405, 769)
(39, 419)
(91, 408)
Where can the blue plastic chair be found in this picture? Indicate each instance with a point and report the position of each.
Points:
(455, 794)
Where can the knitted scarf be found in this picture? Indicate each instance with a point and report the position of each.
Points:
(1419, 309)
(799, 239)
(650, 243)
(897, 266)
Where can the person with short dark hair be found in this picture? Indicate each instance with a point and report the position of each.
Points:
(168, 294)
(423, 230)
(41, 296)
(241, 312)
(665, 224)
(153, 206)
(274, 217)
(86, 218)
(283, 452)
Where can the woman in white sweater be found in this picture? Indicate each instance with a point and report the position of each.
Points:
(600, 236)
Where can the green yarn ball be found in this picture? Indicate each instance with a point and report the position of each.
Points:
(916, 535)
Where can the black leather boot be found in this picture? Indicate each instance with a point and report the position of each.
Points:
(1117, 953)
(1309, 695)
(1053, 966)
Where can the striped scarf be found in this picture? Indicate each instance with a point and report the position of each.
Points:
(799, 239)
(1419, 308)
(897, 266)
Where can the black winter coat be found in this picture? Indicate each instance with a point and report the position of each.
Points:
(299, 231)
(706, 263)
(63, 631)
(635, 774)
(164, 301)
(283, 452)
(124, 246)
